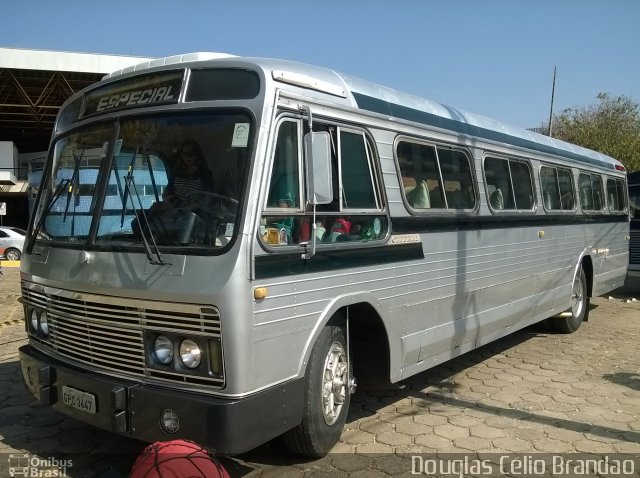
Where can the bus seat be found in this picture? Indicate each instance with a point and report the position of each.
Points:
(496, 199)
(547, 200)
(584, 199)
(419, 196)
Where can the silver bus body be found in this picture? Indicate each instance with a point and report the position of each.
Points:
(418, 286)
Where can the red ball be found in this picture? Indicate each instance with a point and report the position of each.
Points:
(177, 459)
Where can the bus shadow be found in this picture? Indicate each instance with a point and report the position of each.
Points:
(369, 401)
(630, 380)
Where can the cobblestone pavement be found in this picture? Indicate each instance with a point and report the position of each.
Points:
(531, 392)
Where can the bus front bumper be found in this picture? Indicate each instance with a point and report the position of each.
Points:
(229, 426)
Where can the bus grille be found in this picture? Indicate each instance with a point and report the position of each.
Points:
(106, 333)
(634, 249)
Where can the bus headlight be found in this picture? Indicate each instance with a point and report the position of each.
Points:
(163, 349)
(33, 317)
(190, 353)
(44, 323)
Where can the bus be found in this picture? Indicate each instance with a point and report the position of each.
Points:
(633, 180)
(337, 230)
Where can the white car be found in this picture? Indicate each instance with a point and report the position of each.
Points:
(12, 241)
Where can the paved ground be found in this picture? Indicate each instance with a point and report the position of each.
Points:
(530, 393)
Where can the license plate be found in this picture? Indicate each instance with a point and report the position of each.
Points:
(79, 400)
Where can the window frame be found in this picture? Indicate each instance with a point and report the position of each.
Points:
(301, 186)
(532, 183)
(603, 200)
(557, 168)
(373, 176)
(304, 211)
(436, 146)
(620, 182)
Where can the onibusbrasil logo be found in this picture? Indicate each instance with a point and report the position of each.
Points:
(26, 465)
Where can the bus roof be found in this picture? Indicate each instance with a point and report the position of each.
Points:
(393, 104)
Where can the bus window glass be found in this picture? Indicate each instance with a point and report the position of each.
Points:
(222, 84)
(634, 195)
(550, 194)
(565, 183)
(178, 180)
(420, 175)
(591, 194)
(522, 184)
(357, 186)
(69, 201)
(615, 195)
(509, 184)
(458, 183)
(357, 217)
(598, 195)
(498, 184)
(284, 186)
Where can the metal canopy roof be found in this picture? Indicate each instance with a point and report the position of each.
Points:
(35, 83)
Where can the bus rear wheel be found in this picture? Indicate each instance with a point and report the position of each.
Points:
(327, 396)
(579, 307)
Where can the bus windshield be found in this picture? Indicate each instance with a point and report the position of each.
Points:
(172, 180)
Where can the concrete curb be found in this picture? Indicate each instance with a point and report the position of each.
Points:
(10, 263)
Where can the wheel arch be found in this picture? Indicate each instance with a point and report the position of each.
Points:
(587, 265)
(368, 332)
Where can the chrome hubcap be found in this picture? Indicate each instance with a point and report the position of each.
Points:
(334, 383)
(577, 302)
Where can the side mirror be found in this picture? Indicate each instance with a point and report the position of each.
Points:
(317, 147)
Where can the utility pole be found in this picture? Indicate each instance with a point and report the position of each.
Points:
(553, 92)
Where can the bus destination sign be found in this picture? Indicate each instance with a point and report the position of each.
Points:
(144, 91)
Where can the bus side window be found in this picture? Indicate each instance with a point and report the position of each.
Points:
(591, 193)
(509, 184)
(615, 191)
(357, 214)
(456, 175)
(357, 181)
(420, 175)
(557, 189)
(278, 225)
(550, 192)
(565, 185)
(498, 183)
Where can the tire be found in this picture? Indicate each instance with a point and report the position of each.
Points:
(579, 307)
(12, 254)
(326, 398)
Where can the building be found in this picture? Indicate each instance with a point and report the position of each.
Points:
(33, 86)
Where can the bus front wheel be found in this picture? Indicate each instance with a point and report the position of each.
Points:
(327, 395)
(579, 309)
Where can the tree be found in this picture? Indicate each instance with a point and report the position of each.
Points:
(611, 126)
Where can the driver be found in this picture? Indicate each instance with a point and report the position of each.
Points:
(189, 179)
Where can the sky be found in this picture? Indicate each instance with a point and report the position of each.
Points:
(491, 57)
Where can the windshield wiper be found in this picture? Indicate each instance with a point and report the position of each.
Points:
(74, 185)
(54, 197)
(128, 181)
